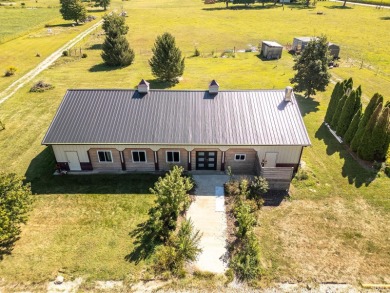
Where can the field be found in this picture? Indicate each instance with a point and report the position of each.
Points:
(79, 218)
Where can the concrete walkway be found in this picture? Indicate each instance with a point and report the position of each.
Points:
(208, 215)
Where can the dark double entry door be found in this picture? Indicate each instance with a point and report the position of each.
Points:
(206, 160)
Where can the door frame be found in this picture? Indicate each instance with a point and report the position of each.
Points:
(206, 157)
(78, 160)
(276, 158)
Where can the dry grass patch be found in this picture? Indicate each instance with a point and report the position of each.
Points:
(333, 240)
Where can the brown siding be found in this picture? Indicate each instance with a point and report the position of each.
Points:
(193, 157)
(162, 158)
(241, 167)
(86, 166)
(116, 160)
(139, 166)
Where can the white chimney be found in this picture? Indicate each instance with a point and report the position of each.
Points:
(288, 94)
(143, 87)
(213, 87)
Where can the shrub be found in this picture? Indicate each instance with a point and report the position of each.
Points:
(246, 261)
(84, 55)
(65, 53)
(302, 175)
(258, 187)
(180, 249)
(232, 188)
(40, 87)
(10, 71)
(245, 219)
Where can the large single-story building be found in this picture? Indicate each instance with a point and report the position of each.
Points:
(271, 50)
(150, 130)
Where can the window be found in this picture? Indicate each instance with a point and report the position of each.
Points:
(105, 156)
(239, 157)
(173, 157)
(139, 156)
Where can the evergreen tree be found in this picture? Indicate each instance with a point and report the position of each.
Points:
(312, 68)
(103, 3)
(73, 10)
(166, 63)
(334, 99)
(351, 106)
(347, 84)
(366, 148)
(115, 24)
(116, 48)
(337, 113)
(172, 199)
(375, 100)
(379, 138)
(15, 203)
(348, 136)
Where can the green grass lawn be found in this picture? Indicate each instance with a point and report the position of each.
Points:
(81, 217)
(18, 21)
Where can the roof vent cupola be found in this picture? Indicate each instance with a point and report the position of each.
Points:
(213, 87)
(288, 94)
(143, 87)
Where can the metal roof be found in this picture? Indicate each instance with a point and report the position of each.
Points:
(252, 117)
(272, 44)
(305, 39)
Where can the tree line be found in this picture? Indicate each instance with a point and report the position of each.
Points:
(367, 133)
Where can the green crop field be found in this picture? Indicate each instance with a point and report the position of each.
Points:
(340, 215)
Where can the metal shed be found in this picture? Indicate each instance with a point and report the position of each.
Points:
(300, 43)
(271, 50)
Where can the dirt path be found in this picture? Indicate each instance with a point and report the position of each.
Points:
(16, 85)
(362, 4)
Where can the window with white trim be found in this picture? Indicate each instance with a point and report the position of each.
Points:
(105, 156)
(138, 156)
(239, 157)
(173, 157)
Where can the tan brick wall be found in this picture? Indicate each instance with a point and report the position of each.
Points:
(193, 156)
(114, 165)
(139, 166)
(162, 158)
(241, 167)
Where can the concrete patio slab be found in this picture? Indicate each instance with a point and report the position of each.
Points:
(208, 216)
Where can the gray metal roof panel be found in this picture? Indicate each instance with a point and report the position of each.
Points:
(253, 117)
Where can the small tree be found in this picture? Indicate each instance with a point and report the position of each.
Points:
(349, 135)
(380, 134)
(366, 148)
(351, 106)
(166, 63)
(337, 113)
(334, 99)
(181, 248)
(15, 203)
(73, 10)
(374, 102)
(312, 68)
(103, 3)
(115, 24)
(172, 199)
(116, 48)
